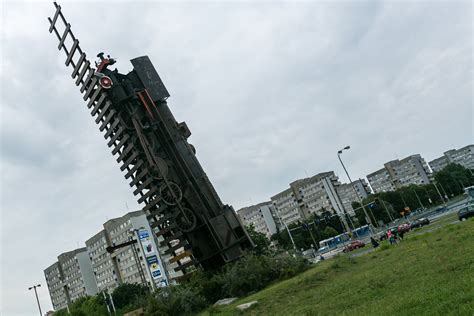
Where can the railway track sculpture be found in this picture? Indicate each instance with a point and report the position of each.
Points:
(152, 150)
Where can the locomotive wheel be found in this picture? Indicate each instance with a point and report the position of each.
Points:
(186, 223)
(171, 194)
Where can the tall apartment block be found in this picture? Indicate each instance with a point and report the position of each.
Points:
(54, 280)
(316, 193)
(141, 262)
(105, 269)
(399, 173)
(104, 264)
(347, 195)
(285, 205)
(70, 278)
(308, 196)
(463, 156)
(260, 216)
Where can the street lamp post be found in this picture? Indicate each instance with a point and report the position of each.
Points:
(418, 198)
(288, 230)
(36, 294)
(353, 187)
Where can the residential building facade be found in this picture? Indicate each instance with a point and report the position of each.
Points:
(463, 156)
(131, 264)
(286, 208)
(78, 277)
(89, 270)
(260, 216)
(399, 173)
(54, 281)
(70, 278)
(348, 195)
(104, 267)
(306, 197)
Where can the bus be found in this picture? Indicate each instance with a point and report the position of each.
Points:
(361, 231)
(333, 242)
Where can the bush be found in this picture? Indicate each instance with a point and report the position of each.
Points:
(129, 296)
(249, 274)
(175, 300)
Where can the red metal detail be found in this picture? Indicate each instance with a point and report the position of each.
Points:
(145, 103)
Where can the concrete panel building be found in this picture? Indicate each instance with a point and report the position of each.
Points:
(317, 193)
(463, 156)
(260, 216)
(286, 207)
(308, 196)
(347, 195)
(70, 278)
(78, 277)
(54, 281)
(131, 263)
(399, 173)
(105, 269)
(381, 181)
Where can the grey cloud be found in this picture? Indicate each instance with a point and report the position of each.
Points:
(270, 91)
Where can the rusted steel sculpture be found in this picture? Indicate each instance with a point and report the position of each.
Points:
(152, 150)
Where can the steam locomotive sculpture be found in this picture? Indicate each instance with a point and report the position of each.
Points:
(153, 151)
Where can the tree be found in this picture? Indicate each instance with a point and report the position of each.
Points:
(127, 294)
(454, 178)
(84, 306)
(259, 239)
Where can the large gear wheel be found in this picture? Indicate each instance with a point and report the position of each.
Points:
(170, 193)
(186, 220)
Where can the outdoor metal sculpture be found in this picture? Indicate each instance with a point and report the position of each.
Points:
(153, 151)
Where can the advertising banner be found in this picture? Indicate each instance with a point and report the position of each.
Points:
(154, 266)
(151, 256)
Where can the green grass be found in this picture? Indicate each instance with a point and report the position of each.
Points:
(426, 274)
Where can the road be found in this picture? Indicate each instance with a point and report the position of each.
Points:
(435, 217)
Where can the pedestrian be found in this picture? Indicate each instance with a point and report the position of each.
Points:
(390, 237)
(374, 242)
(400, 234)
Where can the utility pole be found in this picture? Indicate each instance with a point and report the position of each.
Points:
(418, 198)
(36, 294)
(138, 263)
(386, 209)
(289, 233)
(437, 190)
(371, 225)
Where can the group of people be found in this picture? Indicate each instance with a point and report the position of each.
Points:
(393, 238)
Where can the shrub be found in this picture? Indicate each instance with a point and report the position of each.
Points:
(175, 300)
(249, 274)
(129, 295)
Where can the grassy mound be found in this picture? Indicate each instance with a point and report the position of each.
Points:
(427, 274)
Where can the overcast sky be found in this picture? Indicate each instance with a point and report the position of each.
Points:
(270, 92)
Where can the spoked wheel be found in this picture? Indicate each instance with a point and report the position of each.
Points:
(171, 194)
(186, 220)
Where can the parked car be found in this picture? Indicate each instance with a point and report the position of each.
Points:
(420, 222)
(355, 244)
(441, 209)
(466, 212)
(403, 228)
